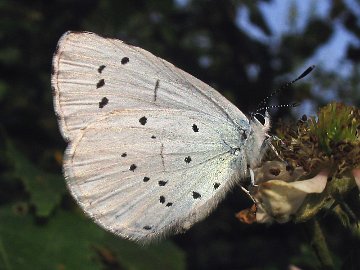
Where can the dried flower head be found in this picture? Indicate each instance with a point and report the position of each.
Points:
(321, 163)
(331, 141)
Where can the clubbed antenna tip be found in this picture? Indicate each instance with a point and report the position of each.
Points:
(262, 105)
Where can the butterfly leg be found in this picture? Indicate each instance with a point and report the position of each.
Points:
(253, 186)
(248, 193)
(267, 143)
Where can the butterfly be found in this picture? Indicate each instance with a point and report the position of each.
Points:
(151, 149)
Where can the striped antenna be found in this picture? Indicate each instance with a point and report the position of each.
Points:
(262, 104)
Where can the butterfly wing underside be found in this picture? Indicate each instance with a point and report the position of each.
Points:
(150, 147)
(141, 181)
(93, 75)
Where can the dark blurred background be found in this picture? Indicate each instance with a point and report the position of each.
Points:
(244, 49)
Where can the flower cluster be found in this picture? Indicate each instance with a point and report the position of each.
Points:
(320, 162)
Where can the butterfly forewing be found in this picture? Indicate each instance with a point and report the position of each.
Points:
(93, 75)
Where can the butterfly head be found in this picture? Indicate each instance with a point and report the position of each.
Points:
(256, 144)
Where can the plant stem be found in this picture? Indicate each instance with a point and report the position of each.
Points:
(319, 245)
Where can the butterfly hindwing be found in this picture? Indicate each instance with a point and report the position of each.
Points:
(143, 173)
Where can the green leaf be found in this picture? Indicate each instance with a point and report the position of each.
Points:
(163, 255)
(70, 241)
(45, 189)
(64, 242)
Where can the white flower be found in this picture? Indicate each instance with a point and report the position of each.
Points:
(279, 198)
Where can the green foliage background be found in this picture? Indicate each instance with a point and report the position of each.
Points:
(41, 227)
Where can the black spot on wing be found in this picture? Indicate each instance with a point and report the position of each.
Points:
(125, 60)
(196, 195)
(157, 84)
(143, 120)
(100, 83)
(153, 137)
(162, 155)
(216, 185)
(101, 68)
(169, 204)
(162, 183)
(195, 128)
(123, 154)
(146, 179)
(188, 159)
(132, 167)
(162, 199)
(103, 102)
